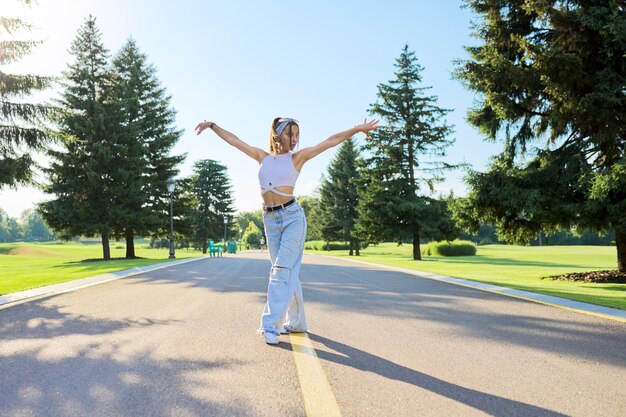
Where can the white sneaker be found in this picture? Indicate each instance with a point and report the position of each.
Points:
(271, 338)
(286, 329)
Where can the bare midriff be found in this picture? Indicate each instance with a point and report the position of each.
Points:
(270, 199)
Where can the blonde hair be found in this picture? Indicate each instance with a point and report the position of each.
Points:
(276, 144)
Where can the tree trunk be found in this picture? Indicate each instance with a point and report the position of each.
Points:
(539, 238)
(620, 243)
(204, 247)
(417, 253)
(358, 247)
(130, 245)
(351, 247)
(106, 250)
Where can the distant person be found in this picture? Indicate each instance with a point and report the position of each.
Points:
(285, 223)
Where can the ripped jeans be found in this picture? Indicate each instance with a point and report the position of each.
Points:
(285, 230)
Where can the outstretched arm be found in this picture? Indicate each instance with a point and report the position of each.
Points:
(255, 153)
(311, 152)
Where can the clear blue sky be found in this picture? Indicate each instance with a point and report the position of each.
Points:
(242, 63)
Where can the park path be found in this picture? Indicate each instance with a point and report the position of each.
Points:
(181, 341)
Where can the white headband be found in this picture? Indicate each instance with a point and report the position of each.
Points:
(282, 124)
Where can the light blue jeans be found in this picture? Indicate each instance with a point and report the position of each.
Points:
(285, 230)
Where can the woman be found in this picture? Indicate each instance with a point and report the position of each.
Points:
(285, 224)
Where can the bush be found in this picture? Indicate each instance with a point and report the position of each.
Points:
(323, 245)
(455, 248)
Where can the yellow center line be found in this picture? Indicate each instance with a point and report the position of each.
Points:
(319, 399)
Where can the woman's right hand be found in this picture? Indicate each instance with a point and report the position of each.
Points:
(204, 125)
(366, 126)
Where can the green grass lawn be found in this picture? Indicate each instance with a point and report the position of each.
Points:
(519, 267)
(29, 265)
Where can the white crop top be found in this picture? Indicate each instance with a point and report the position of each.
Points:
(276, 171)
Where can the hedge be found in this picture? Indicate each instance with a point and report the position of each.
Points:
(454, 248)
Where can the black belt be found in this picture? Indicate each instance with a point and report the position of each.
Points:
(280, 206)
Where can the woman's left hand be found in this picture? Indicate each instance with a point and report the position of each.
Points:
(366, 127)
(203, 125)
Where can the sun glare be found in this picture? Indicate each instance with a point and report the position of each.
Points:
(48, 21)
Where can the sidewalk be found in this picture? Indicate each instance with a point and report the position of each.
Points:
(19, 297)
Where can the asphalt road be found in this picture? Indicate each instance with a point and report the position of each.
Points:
(182, 341)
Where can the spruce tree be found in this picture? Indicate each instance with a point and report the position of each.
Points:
(82, 174)
(339, 197)
(212, 190)
(22, 124)
(144, 135)
(551, 76)
(402, 155)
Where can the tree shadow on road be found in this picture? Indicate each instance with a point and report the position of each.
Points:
(48, 322)
(137, 386)
(470, 313)
(60, 364)
(493, 405)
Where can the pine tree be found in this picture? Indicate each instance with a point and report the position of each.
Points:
(212, 189)
(82, 175)
(550, 74)
(402, 156)
(22, 129)
(144, 136)
(339, 197)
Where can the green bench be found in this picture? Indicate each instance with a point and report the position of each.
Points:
(214, 250)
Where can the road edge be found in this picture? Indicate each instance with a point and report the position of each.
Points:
(21, 297)
(550, 300)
